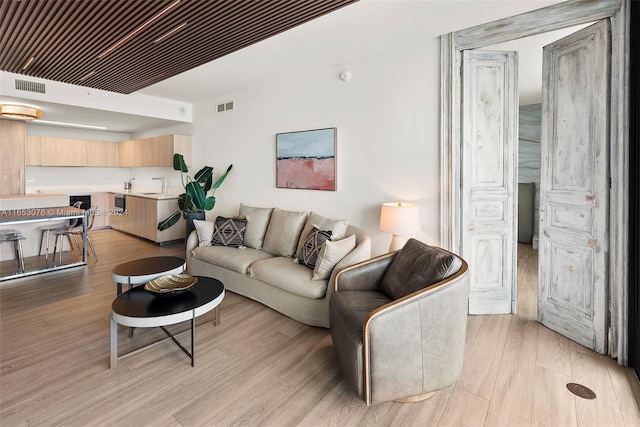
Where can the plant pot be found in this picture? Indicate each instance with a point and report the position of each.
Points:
(189, 217)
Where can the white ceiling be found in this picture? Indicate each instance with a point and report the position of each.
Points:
(360, 30)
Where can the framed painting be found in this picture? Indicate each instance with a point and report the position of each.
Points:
(306, 159)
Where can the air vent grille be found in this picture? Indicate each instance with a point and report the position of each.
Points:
(227, 106)
(30, 86)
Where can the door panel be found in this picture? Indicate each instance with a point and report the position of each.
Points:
(489, 157)
(574, 186)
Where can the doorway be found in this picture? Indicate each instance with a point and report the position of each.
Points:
(551, 18)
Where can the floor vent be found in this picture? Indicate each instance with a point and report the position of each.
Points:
(30, 86)
(227, 106)
(581, 391)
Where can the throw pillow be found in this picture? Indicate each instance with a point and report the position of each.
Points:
(204, 230)
(338, 227)
(283, 232)
(416, 267)
(330, 255)
(258, 221)
(311, 246)
(229, 232)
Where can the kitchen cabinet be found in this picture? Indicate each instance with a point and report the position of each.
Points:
(142, 217)
(156, 151)
(63, 151)
(12, 146)
(32, 155)
(102, 153)
(100, 202)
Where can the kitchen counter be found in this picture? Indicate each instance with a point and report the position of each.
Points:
(148, 195)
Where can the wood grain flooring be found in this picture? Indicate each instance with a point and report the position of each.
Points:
(261, 368)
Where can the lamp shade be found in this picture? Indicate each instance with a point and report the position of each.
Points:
(399, 218)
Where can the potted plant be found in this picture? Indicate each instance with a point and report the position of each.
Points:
(198, 196)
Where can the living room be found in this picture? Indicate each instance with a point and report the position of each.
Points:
(387, 115)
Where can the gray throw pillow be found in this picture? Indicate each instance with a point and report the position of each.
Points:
(229, 232)
(283, 232)
(416, 267)
(308, 254)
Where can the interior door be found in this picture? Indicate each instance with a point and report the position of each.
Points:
(574, 193)
(489, 157)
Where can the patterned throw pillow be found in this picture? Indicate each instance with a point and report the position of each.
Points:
(309, 251)
(229, 232)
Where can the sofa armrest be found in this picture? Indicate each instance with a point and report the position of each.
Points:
(364, 276)
(192, 242)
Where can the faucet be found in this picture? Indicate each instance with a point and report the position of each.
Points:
(128, 185)
(164, 184)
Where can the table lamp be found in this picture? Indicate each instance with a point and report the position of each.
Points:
(400, 219)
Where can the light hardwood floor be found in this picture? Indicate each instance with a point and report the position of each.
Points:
(261, 368)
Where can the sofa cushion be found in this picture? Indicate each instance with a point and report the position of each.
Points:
(308, 253)
(283, 232)
(235, 259)
(418, 266)
(331, 254)
(257, 223)
(288, 276)
(204, 230)
(229, 232)
(338, 227)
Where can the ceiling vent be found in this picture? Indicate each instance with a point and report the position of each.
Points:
(30, 86)
(227, 106)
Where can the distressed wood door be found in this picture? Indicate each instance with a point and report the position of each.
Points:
(574, 193)
(489, 159)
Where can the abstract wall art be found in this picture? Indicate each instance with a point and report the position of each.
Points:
(306, 159)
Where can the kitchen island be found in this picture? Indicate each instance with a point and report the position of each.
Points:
(26, 213)
(138, 213)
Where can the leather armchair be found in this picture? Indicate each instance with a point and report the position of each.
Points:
(396, 342)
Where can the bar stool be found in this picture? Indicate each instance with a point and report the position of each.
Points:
(15, 237)
(46, 231)
(75, 230)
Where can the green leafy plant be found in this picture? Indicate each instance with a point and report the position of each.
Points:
(199, 191)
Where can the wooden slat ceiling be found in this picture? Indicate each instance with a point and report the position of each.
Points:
(126, 45)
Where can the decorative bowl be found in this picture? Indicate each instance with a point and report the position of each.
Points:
(172, 284)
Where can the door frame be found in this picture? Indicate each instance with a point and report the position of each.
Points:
(555, 17)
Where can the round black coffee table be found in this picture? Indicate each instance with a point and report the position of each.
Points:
(139, 308)
(142, 270)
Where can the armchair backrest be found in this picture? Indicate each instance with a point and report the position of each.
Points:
(418, 266)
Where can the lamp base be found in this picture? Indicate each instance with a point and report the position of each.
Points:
(397, 242)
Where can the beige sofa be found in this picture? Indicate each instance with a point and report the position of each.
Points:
(263, 267)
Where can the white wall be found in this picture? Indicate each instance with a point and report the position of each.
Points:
(388, 139)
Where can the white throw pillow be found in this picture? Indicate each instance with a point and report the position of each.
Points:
(330, 255)
(204, 230)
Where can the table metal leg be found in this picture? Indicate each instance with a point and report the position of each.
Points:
(193, 339)
(113, 341)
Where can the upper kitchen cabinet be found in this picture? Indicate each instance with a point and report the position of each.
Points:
(63, 151)
(32, 156)
(102, 153)
(156, 151)
(12, 146)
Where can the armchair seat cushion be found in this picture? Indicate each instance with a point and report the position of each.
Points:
(347, 312)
